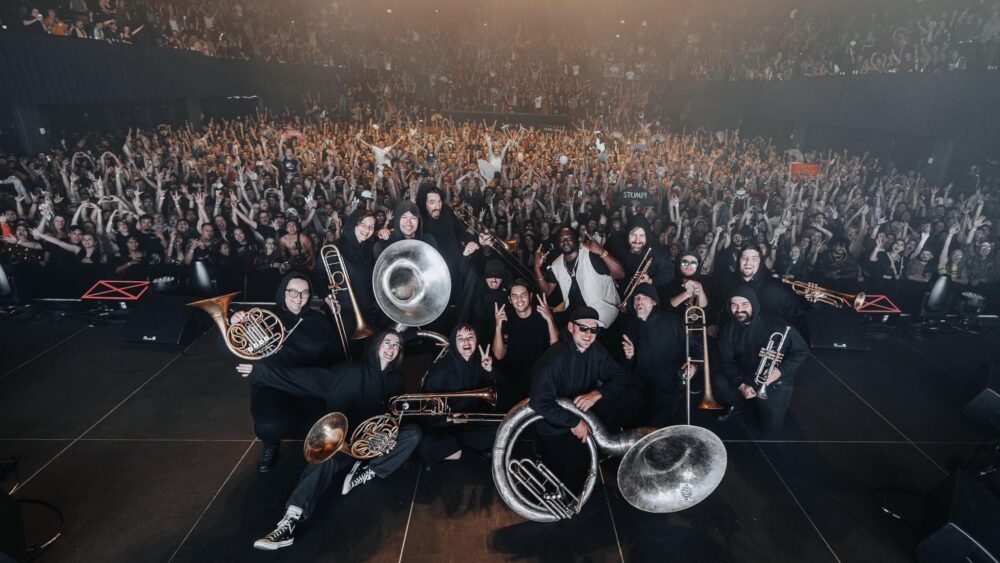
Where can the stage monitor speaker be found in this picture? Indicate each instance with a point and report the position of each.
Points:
(834, 329)
(962, 519)
(163, 319)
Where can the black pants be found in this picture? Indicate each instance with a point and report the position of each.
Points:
(770, 412)
(566, 455)
(662, 408)
(316, 478)
(278, 415)
(442, 440)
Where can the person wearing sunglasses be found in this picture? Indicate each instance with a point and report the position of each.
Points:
(579, 367)
(312, 341)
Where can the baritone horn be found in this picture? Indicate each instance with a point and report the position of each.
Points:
(816, 294)
(340, 280)
(258, 336)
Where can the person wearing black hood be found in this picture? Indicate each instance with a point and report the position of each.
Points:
(467, 366)
(359, 390)
(439, 221)
(654, 347)
(406, 226)
(740, 344)
(355, 246)
(312, 341)
(639, 241)
(775, 298)
(579, 367)
(488, 293)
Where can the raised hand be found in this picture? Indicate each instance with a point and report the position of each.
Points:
(487, 360)
(500, 314)
(628, 347)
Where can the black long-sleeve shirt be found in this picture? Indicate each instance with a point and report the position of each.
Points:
(740, 346)
(660, 350)
(564, 371)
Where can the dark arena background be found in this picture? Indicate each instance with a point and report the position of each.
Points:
(450, 262)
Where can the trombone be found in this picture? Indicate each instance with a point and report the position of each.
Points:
(694, 322)
(641, 271)
(504, 249)
(336, 274)
(816, 294)
(436, 404)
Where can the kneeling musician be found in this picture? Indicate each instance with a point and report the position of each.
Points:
(580, 367)
(741, 345)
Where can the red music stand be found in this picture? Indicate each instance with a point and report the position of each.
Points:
(878, 304)
(116, 290)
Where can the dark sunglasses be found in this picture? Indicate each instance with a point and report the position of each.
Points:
(585, 329)
(689, 262)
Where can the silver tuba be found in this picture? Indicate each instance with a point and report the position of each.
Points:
(663, 470)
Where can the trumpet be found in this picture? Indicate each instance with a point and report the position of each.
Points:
(336, 274)
(643, 270)
(257, 337)
(816, 294)
(770, 358)
(436, 404)
(694, 322)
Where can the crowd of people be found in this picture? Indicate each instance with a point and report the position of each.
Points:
(543, 59)
(263, 195)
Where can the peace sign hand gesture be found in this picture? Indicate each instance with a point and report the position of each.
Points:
(487, 361)
(543, 308)
(500, 313)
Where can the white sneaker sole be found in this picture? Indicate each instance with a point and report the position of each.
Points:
(272, 546)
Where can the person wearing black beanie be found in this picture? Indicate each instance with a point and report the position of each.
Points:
(639, 241)
(740, 344)
(654, 348)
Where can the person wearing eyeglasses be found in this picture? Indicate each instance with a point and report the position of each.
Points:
(579, 367)
(312, 341)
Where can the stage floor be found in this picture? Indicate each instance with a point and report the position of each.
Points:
(150, 454)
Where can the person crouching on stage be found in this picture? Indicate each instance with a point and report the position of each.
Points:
(578, 367)
(467, 366)
(360, 390)
(740, 344)
(654, 347)
(312, 341)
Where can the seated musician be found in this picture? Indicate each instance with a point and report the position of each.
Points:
(654, 347)
(312, 341)
(467, 366)
(740, 344)
(359, 390)
(578, 367)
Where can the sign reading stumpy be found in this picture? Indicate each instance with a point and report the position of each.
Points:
(629, 196)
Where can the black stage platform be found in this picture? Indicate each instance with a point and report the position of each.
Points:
(149, 452)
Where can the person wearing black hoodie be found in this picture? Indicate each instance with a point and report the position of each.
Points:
(740, 344)
(439, 221)
(654, 348)
(488, 293)
(579, 367)
(467, 366)
(406, 225)
(775, 299)
(359, 390)
(638, 241)
(312, 341)
(356, 250)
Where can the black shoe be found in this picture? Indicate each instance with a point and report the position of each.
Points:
(730, 413)
(280, 537)
(359, 475)
(268, 457)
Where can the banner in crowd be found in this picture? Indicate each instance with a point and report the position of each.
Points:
(636, 196)
(809, 170)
